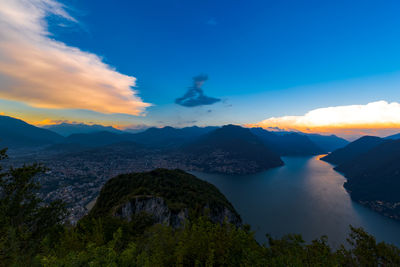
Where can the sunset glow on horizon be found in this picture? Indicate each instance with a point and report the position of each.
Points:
(377, 118)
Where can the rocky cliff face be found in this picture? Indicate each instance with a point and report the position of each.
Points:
(161, 213)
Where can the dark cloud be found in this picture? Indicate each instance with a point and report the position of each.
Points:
(195, 96)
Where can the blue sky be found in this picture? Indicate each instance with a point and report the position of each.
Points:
(253, 46)
(263, 58)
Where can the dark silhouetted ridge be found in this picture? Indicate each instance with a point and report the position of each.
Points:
(233, 147)
(66, 129)
(328, 143)
(353, 150)
(288, 144)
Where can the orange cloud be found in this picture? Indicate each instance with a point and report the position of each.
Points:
(46, 122)
(377, 118)
(45, 73)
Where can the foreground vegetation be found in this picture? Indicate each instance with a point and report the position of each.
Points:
(33, 234)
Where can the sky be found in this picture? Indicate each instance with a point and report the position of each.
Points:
(314, 66)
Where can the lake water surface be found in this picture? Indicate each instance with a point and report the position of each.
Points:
(305, 196)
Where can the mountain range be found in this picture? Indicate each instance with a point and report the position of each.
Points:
(288, 144)
(16, 133)
(66, 129)
(227, 149)
(370, 163)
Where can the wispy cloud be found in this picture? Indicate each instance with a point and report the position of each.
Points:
(45, 73)
(378, 118)
(195, 96)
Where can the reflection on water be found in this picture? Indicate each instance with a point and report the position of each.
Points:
(305, 196)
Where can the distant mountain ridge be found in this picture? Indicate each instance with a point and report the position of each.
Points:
(14, 135)
(288, 144)
(227, 149)
(149, 136)
(66, 129)
(328, 143)
(166, 137)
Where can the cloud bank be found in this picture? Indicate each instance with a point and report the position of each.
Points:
(195, 96)
(45, 73)
(379, 118)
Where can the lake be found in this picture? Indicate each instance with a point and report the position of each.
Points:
(306, 196)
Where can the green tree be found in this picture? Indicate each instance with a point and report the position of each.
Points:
(365, 251)
(24, 218)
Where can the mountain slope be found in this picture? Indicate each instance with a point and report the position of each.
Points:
(169, 196)
(15, 133)
(394, 136)
(288, 144)
(374, 177)
(123, 151)
(232, 149)
(353, 150)
(66, 129)
(328, 143)
(169, 137)
(96, 139)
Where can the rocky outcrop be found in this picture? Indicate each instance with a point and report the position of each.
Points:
(161, 213)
